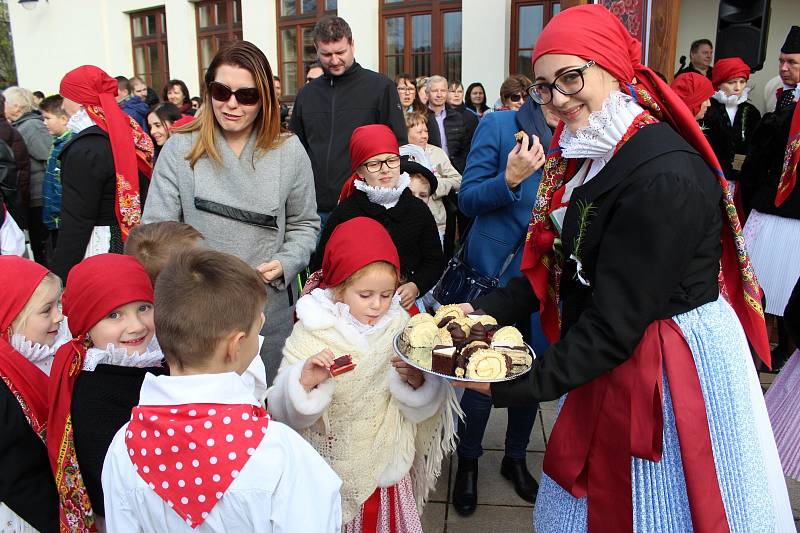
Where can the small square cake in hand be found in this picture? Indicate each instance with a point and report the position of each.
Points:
(341, 365)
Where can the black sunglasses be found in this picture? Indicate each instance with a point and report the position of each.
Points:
(516, 97)
(222, 93)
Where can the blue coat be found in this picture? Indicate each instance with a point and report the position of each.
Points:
(500, 215)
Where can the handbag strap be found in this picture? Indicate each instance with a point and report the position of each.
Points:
(512, 255)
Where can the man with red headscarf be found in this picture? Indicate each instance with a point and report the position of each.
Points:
(105, 170)
(636, 261)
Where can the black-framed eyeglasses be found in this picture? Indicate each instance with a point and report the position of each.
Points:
(222, 93)
(376, 166)
(567, 83)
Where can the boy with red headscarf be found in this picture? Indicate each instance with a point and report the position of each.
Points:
(383, 430)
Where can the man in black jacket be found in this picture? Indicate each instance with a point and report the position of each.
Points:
(328, 109)
(446, 126)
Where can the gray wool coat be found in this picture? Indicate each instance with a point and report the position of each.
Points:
(275, 190)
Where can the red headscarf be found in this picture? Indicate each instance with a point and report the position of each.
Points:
(95, 287)
(352, 246)
(131, 148)
(693, 89)
(592, 32)
(366, 142)
(19, 278)
(728, 69)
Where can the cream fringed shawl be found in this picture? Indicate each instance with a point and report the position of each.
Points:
(363, 430)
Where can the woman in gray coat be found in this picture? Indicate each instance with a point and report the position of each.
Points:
(244, 185)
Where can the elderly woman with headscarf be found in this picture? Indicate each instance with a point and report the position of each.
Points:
(663, 426)
(695, 91)
(105, 170)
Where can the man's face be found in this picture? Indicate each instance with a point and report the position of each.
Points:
(336, 56)
(140, 90)
(702, 56)
(789, 68)
(278, 90)
(122, 94)
(437, 94)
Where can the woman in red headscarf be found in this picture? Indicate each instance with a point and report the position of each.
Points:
(695, 91)
(663, 426)
(29, 320)
(96, 377)
(731, 120)
(378, 190)
(105, 170)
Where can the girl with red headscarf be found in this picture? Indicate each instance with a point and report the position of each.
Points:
(663, 425)
(96, 377)
(383, 430)
(29, 324)
(105, 170)
(731, 120)
(378, 190)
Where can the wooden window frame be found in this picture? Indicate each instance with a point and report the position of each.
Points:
(158, 38)
(515, 8)
(230, 31)
(407, 9)
(296, 22)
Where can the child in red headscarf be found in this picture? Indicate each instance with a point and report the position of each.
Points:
(96, 377)
(378, 190)
(384, 430)
(731, 120)
(29, 323)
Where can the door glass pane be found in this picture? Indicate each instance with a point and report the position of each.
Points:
(421, 64)
(394, 66)
(452, 66)
(556, 9)
(203, 14)
(395, 35)
(531, 20)
(524, 65)
(137, 26)
(220, 13)
(237, 11)
(452, 31)
(420, 34)
(163, 23)
(289, 44)
(288, 7)
(163, 74)
(309, 52)
(309, 6)
(289, 79)
(150, 24)
(206, 51)
(140, 66)
(152, 51)
(330, 5)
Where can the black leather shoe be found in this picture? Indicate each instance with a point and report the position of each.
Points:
(516, 471)
(465, 491)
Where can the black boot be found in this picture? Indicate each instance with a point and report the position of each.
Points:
(465, 491)
(516, 471)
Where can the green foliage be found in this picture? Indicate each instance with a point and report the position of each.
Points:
(8, 68)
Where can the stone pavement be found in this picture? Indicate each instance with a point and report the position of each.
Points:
(500, 510)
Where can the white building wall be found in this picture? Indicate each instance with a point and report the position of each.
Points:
(363, 16)
(698, 19)
(485, 44)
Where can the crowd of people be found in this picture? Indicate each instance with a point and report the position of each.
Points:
(220, 256)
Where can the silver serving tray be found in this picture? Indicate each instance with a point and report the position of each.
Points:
(517, 371)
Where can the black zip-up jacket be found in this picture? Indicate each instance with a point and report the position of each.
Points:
(329, 109)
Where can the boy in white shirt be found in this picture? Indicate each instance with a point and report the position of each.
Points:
(199, 453)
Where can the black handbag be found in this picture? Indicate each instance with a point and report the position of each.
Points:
(461, 283)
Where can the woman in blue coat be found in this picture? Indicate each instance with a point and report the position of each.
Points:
(498, 191)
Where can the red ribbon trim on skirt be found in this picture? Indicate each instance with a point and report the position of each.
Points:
(615, 417)
(372, 509)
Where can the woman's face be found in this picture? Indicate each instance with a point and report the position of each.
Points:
(406, 90)
(42, 314)
(477, 95)
(129, 326)
(175, 95)
(574, 110)
(703, 107)
(514, 101)
(422, 92)
(733, 87)
(385, 177)
(159, 130)
(12, 112)
(418, 134)
(232, 116)
(455, 96)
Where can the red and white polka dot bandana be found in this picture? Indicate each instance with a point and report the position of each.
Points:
(190, 454)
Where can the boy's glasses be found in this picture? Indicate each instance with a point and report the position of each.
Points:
(222, 93)
(376, 166)
(567, 83)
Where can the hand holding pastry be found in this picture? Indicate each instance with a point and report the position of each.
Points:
(415, 378)
(316, 369)
(523, 160)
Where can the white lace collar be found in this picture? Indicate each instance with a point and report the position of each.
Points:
(731, 102)
(112, 355)
(606, 128)
(387, 197)
(40, 355)
(79, 121)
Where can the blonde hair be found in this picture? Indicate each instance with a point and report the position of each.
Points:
(377, 266)
(414, 119)
(49, 283)
(20, 98)
(267, 125)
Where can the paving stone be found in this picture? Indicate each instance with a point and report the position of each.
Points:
(433, 517)
(440, 493)
(493, 488)
(491, 519)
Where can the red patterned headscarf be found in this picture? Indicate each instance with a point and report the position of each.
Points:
(693, 89)
(19, 278)
(791, 160)
(592, 32)
(131, 148)
(366, 142)
(95, 287)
